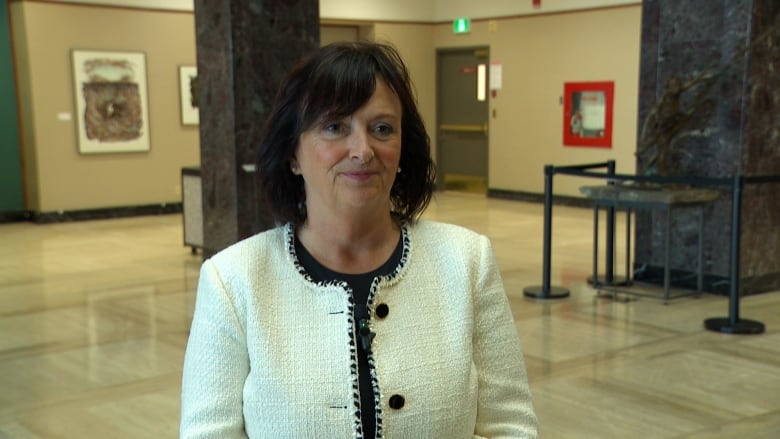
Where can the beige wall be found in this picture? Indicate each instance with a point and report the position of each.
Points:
(333, 33)
(57, 177)
(538, 54)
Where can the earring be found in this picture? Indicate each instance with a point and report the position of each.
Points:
(398, 171)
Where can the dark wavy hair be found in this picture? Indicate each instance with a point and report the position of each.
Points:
(334, 82)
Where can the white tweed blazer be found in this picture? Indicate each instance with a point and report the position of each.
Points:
(271, 354)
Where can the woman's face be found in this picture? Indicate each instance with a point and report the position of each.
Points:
(349, 165)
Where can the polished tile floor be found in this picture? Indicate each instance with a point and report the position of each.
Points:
(94, 318)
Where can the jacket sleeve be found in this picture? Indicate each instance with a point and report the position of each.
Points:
(505, 407)
(216, 364)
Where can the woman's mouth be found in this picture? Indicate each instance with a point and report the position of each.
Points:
(358, 175)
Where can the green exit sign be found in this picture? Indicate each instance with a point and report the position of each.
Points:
(461, 25)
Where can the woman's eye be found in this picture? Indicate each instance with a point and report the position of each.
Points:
(333, 128)
(384, 130)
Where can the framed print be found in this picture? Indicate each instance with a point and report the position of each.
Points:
(188, 90)
(112, 113)
(587, 114)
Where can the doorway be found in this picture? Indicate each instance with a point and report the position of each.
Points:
(462, 115)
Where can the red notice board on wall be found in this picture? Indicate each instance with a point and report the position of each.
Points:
(587, 113)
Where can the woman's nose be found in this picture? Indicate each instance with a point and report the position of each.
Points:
(360, 146)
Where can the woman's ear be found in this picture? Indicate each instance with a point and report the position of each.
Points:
(294, 167)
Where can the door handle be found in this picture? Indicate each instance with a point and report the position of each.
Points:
(464, 128)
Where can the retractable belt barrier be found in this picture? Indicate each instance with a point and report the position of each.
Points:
(733, 324)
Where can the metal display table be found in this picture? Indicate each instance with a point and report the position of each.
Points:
(628, 198)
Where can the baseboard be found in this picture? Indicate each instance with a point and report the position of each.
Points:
(13, 217)
(104, 213)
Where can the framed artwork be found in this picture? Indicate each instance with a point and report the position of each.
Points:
(188, 90)
(587, 114)
(112, 113)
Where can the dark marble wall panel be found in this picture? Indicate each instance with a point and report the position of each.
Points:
(244, 49)
(722, 125)
(648, 58)
(761, 203)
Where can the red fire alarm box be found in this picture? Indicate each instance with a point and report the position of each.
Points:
(587, 113)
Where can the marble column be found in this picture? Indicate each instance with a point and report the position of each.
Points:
(244, 47)
(723, 120)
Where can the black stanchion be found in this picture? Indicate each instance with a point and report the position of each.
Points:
(609, 268)
(733, 324)
(545, 291)
(609, 264)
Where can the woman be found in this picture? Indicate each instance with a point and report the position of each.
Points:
(353, 319)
